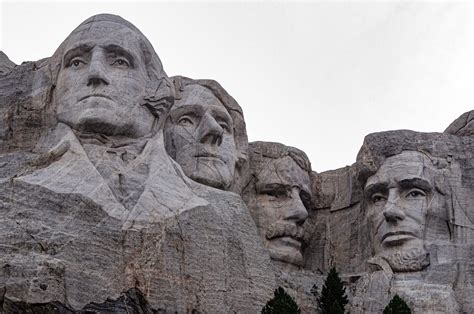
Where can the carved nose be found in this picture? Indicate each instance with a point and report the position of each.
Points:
(296, 210)
(392, 211)
(97, 74)
(210, 131)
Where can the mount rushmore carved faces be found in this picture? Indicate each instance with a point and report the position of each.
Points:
(278, 198)
(398, 198)
(201, 136)
(103, 77)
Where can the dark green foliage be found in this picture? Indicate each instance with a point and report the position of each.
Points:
(314, 291)
(333, 296)
(336, 308)
(281, 303)
(397, 306)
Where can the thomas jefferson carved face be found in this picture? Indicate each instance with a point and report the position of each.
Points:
(398, 198)
(199, 136)
(102, 81)
(279, 207)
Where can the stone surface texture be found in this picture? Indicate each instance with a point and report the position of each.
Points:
(124, 190)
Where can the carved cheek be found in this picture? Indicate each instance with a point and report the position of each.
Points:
(416, 211)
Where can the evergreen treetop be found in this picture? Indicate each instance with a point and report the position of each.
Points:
(282, 303)
(397, 306)
(333, 295)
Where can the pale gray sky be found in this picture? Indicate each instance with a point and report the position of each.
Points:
(315, 75)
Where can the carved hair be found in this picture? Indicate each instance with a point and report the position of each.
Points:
(259, 151)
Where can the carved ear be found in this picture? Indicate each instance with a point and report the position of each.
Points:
(159, 97)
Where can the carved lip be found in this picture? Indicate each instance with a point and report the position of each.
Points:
(95, 95)
(209, 155)
(398, 235)
(289, 241)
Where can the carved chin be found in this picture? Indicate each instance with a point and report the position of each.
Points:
(409, 260)
(212, 173)
(287, 255)
(95, 121)
(213, 181)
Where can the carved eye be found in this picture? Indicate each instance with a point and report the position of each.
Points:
(224, 126)
(121, 63)
(273, 193)
(378, 198)
(415, 193)
(277, 193)
(185, 121)
(76, 62)
(305, 198)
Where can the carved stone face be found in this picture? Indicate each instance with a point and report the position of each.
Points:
(102, 82)
(199, 136)
(279, 208)
(399, 196)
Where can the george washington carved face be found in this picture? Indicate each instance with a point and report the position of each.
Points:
(102, 81)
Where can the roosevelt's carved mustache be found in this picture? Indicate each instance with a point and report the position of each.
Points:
(282, 229)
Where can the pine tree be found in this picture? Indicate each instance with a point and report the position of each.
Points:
(333, 296)
(282, 303)
(397, 306)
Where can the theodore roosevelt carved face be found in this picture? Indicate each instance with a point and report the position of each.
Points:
(102, 81)
(278, 198)
(398, 198)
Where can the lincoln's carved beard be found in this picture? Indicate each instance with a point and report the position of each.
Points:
(407, 260)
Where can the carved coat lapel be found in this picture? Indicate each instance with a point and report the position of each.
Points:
(167, 192)
(73, 172)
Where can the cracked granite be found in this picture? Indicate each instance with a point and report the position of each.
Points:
(125, 190)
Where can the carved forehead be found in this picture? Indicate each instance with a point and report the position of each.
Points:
(284, 171)
(105, 32)
(195, 94)
(119, 32)
(404, 166)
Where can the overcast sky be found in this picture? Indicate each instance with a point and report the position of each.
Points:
(318, 76)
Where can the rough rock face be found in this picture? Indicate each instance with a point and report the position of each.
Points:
(124, 190)
(6, 65)
(408, 224)
(462, 126)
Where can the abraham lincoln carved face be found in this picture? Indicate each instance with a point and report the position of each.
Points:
(399, 197)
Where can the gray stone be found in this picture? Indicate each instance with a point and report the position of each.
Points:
(6, 65)
(205, 133)
(462, 126)
(124, 190)
(279, 196)
(92, 205)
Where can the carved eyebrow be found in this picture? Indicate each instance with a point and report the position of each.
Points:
(78, 50)
(222, 114)
(415, 183)
(268, 187)
(131, 57)
(179, 111)
(374, 188)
